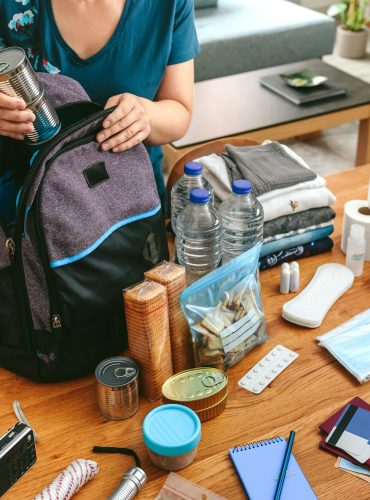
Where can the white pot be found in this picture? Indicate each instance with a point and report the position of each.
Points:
(351, 44)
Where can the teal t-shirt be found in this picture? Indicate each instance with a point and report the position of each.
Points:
(150, 35)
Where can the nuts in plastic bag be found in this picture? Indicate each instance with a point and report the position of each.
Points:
(225, 312)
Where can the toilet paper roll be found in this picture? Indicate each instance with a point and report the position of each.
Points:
(356, 212)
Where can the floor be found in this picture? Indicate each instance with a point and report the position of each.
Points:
(335, 149)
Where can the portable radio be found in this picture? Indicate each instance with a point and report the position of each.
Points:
(17, 454)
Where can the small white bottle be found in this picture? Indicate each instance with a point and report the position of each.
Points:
(294, 277)
(356, 249)
(284, 278)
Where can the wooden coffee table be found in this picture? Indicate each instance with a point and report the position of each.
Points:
(68, 422)
(238, 106)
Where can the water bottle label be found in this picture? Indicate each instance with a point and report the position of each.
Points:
(235, 334)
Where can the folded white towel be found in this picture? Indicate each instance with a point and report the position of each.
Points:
(215, 171)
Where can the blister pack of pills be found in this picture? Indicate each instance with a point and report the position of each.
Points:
(266, 370)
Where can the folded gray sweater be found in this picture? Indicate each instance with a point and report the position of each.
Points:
(267, 166)
(292, 222)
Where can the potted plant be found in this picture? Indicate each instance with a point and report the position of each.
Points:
(352, 33)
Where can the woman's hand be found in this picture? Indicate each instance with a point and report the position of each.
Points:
(15, 119)
(126, 126)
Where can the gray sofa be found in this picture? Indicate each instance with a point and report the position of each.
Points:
(244, 35)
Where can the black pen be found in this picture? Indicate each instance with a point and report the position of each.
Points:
(284, 468)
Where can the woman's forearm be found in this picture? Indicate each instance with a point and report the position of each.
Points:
(169, 120)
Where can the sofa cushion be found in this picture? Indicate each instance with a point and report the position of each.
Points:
(243, 35)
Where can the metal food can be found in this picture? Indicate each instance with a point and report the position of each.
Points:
(46, 122)
(117, 383)
(17, 77)
(204, 390)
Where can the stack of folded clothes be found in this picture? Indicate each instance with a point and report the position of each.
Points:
(296, 202)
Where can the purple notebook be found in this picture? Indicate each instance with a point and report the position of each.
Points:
(258, 466)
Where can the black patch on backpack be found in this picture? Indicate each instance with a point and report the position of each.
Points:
(96, 174)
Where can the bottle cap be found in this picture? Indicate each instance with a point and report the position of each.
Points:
(193, 168)
(357, 232)
(199, 195)
(242, 187)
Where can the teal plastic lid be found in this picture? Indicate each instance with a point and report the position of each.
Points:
(171, 430)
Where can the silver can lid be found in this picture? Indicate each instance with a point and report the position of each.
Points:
(117, 371)
(10, 58)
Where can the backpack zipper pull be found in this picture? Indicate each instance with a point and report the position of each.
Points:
(10, 246)
(56, 321)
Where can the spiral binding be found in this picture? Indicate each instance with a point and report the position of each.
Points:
(256, 444)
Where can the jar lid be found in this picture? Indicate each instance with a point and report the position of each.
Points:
(116, 372)
(10, 58)
(171, 430)
(194, 384)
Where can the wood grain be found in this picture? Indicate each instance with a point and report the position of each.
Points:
(67, 419)
(363, 144)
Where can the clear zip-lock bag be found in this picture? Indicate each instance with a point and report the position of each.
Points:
(225, 313)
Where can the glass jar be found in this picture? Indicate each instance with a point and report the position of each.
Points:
(172, 433)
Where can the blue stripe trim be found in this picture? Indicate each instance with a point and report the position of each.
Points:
(34, 157)
(94, 246)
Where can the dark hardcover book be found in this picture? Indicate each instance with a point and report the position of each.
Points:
(301, 95)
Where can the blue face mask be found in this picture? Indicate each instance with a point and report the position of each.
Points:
(350, 345)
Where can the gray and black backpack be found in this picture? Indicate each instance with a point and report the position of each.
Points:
(87, 224)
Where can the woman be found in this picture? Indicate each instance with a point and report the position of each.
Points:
(133, 54)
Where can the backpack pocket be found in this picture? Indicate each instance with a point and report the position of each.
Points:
(101, 224)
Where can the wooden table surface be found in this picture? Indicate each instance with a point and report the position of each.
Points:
(68, 422)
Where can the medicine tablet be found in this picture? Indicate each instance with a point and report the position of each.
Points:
(269, 368)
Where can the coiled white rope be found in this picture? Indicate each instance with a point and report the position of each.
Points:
(69, 481)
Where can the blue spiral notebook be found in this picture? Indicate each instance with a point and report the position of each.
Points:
(258, 466)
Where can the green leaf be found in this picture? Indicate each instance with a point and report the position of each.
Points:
(337, 8)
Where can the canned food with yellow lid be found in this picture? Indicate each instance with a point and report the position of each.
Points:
(198, 388)
(213, 411)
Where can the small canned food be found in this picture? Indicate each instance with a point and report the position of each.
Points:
(172, 434)
(204, 390)
(18, 79)
(46, 122)
(117, 382)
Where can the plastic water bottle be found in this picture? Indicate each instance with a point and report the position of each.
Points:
(242, 221)
(180, 192)
(198, 239)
